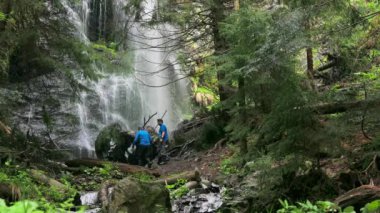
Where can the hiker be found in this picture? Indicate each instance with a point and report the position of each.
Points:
(164, 140)
(143, 142)
(163, 132)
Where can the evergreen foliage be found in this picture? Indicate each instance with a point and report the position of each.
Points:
(272, 64)
(36, 38)
(274, 87)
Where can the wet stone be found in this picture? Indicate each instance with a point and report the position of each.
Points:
(199, 200)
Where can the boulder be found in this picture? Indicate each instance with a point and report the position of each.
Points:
(133, 196)
(112, 144)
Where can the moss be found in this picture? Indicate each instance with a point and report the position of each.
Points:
(101, 47)
(205, 90)
(108, 134)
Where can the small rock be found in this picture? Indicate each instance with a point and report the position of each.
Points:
(205, 182)
(191, 184)
(196, 191)
(232, 180)
(130, 194)
(187, 209)
(249, 165)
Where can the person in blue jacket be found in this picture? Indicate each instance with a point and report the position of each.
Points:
(143, 141)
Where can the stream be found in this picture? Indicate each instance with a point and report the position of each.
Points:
(205, 198)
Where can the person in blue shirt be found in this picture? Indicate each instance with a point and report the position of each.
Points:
(163, 132)
(143, 141)
(164, 140)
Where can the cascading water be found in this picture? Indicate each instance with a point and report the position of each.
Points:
(128, 98)
(76, 20)
(156, 65)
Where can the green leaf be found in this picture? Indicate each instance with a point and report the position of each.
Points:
(24, 206)
(2, 16)
(349, 209)
(373, 206)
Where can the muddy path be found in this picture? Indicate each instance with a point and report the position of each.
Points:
(207, 162)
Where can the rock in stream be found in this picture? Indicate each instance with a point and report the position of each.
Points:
(205, 199)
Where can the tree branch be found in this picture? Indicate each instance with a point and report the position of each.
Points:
(150, 117)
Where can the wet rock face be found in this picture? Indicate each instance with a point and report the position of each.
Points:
(133, 196)
(112, 144)
(42, 106)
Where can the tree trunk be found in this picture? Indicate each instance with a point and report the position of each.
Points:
(10, 192)
(358, 197)
(331, 108)
(127, 168)
(265, 102)
(242, 113)
(39, 177)
(310, 67)
(241, 93)
(309, 60)
(217, 15)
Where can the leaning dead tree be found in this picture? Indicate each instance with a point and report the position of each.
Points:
(146, 121)
(149, 118)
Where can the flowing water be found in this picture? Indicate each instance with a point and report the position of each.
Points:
(127, 98)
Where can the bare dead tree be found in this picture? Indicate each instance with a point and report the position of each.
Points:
(149, 118)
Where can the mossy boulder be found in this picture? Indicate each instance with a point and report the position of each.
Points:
(133, 196)
(112, 143)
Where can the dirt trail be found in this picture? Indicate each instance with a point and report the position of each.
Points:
(207, 162)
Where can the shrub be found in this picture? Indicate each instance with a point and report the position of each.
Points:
(325, 206)
(209, 135)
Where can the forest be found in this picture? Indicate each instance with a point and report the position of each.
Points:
(271, 106)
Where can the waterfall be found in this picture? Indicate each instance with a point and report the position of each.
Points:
(156, 65)
(74, 18)
(128, 98)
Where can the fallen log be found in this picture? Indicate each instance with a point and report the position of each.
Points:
(185, 127)
(123, 167)
(331, 108)
(185, 147)
(359, 196)
(10, 192)
(41, 178)
(190, 176)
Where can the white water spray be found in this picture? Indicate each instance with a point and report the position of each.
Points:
(127, 99)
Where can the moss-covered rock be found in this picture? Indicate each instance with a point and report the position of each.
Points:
(112, 143)
(133, 196)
